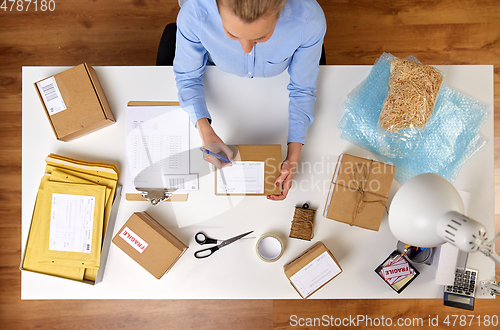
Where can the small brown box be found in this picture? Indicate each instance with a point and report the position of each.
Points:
(74, 102)
(149, 244)
(359, 191)
(303, 270)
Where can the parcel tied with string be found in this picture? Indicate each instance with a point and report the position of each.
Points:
(359, 191)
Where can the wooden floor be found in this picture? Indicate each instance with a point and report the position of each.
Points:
(120, 32)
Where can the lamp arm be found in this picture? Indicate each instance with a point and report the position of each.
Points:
(496, 238)
(487, 250)
(490, 287)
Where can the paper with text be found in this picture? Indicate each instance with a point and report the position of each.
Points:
(315, 274)
(157, 145)
(241, 178)
(51, 95)
(71, 223)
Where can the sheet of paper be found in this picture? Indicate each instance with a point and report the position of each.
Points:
(315, 274)
(241, 178)
(71, 223)
(332, 186)
(51, 95)
(157, 145)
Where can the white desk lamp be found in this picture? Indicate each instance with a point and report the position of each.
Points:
(427, 211)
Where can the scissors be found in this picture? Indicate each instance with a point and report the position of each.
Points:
(202, 239)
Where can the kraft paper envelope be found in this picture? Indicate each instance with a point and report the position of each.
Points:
(100, 173)
(34, 247)
(108, 182)
(62, 176)
(65, 176)
(99, 169)
(60, 203)
(73, 172)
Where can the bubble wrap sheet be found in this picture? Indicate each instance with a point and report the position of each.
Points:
(449, 139)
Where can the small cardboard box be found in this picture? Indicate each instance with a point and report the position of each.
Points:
(149, 244)
(74, 102)
(269, 154)
(359, 191)
(302, 271)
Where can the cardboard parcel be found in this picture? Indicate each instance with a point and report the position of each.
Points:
(149, 244)
(359, 191)
(312, 270)
(74, 102)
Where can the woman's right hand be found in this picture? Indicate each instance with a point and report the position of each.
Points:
(214, 143)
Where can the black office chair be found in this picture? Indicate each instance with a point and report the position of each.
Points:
(166, 49)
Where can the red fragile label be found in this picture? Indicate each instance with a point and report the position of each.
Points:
(396, 270)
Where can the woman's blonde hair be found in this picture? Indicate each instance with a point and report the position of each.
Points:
(250, 10)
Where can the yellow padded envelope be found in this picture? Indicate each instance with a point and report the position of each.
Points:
(97, 172)
(72, 220)
(72, 172)
(75, 176)
(34, 247)
(67, 176)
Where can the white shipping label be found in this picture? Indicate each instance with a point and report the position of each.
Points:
(133, 240)
(241, 178)
(71, 223)
(51, 95)
(315, 274)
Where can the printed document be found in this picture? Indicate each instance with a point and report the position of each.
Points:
(71, 223)
(157, 146)
(241, 178)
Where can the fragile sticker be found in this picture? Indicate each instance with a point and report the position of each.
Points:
(397, 270)
(133, 240)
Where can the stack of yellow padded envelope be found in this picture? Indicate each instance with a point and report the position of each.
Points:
(70, 218)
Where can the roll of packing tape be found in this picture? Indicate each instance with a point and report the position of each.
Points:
(270, 248)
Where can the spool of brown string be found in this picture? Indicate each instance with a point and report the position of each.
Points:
(303, 223)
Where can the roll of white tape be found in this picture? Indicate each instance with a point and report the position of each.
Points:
(269, 248)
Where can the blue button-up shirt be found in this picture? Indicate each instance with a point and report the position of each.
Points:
(295, 44)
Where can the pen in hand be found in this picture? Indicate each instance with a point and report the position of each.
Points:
(219, 157)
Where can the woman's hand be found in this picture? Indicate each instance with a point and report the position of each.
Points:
(288, 169)
(213, 142)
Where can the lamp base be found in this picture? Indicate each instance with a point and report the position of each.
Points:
(420, 257)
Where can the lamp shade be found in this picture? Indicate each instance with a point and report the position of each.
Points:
(418, 206)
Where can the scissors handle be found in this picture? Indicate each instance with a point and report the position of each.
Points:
(206, 252)
(201, 239)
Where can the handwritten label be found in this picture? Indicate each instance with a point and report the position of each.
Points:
(133, 240)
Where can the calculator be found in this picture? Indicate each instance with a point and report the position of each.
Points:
(461, 293)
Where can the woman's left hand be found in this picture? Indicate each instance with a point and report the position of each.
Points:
(288, 170)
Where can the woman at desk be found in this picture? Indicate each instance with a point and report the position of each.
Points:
(251, 38)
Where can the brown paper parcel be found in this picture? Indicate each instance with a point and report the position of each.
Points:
(359, 192)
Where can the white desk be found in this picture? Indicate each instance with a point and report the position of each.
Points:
(244, 111)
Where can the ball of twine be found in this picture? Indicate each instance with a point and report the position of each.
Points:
(303, 223)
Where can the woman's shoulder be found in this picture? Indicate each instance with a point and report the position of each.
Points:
(199, 8)
(305, 11)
